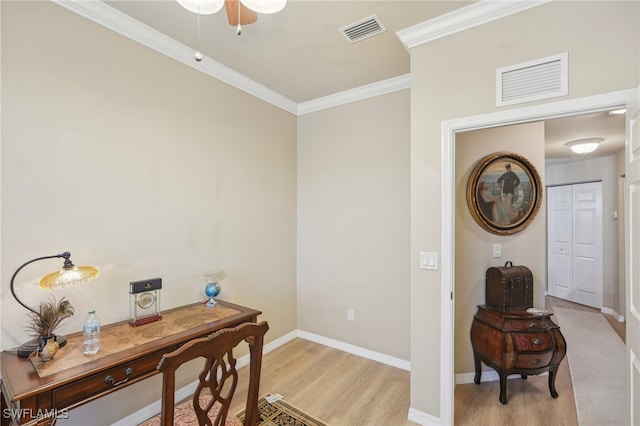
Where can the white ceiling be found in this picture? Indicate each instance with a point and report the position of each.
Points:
(559, 131)
(300, 54)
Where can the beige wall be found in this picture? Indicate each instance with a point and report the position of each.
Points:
(454, 77)
(353, 229)
(474, 245)
(143, 167)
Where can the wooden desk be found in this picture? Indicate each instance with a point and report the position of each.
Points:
(31, 395)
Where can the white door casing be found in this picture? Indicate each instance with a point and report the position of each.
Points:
(632, 276)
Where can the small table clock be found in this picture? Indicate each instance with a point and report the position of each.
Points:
(145, 301)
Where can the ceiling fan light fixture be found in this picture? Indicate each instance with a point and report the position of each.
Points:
(203, 7)
(584, 146)
(265, 6)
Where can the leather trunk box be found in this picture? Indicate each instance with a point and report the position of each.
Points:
(509, 288)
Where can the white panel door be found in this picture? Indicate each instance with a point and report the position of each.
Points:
(632, 225)
(587, 244)
(574, 243)
(559, 241)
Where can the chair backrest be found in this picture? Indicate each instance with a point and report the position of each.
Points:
(218, 379)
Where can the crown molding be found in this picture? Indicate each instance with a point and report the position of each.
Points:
(123, 24)
(462, 19)
(363, 92)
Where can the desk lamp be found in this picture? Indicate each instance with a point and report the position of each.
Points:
(67, 276)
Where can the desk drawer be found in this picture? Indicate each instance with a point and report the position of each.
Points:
(107, 381)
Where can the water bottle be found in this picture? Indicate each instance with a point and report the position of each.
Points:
(91, 332)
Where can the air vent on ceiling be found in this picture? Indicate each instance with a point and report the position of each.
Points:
(365, 28)
(531, 81)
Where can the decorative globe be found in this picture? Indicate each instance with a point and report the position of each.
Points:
(212, 290)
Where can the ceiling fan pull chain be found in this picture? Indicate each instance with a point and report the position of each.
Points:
(239, 27)
(198, 55)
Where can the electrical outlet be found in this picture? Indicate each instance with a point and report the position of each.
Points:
(351, 315)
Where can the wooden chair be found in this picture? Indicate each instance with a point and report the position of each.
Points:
(217, 380)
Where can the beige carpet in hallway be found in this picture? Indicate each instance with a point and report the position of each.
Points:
(596, 358)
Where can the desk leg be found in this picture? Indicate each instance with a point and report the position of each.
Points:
(552, 381)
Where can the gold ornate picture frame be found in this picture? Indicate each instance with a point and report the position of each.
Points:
(504, 193)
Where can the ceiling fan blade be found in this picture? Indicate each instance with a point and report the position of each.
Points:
(247, 16)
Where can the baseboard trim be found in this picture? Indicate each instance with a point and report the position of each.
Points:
(609, 311)
(422, 418)
(487, 376)
(352, 349)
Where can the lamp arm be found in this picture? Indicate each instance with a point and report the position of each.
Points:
(65, 255)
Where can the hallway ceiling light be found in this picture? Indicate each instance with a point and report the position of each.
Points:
(584, 146)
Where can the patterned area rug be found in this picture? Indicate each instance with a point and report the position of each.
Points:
(280, 413)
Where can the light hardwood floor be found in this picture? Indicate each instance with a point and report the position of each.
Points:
(346, 390)
(334, 386)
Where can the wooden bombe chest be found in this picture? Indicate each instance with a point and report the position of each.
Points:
(511, 337)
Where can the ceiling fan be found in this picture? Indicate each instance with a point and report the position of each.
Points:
(239, 12)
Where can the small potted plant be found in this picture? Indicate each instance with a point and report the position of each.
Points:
(44, 322)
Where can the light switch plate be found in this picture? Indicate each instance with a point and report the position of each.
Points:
(497, 250)
(429, 260)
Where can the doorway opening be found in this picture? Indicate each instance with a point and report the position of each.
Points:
(449, 130)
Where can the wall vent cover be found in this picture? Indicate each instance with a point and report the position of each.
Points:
(531, 81)
(365, 28)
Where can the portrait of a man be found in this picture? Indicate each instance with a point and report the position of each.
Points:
(503, 192)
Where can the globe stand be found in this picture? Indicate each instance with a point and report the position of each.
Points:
(212, 290)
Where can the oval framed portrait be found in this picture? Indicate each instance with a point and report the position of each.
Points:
(504, 193)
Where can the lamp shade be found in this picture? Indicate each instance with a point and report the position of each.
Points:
(265, 6)
(68, 276)
(584, 146)
(203, 7)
